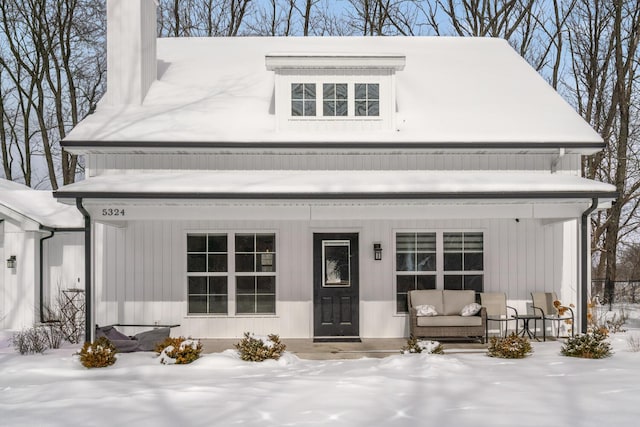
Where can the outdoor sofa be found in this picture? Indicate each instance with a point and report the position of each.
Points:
(439, 314)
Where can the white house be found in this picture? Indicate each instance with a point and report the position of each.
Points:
(302, 186)
(41, 254)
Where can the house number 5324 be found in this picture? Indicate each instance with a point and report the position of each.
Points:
(112, 212)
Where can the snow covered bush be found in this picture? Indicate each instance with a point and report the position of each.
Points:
(592, 345)
(415, 345)
(178, 351)
(30, 341)
(256, 349)
(633, 342)
(510, 347)
(98, 354)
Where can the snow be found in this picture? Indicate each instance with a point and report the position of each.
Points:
(457, 389)
(38, 206)
(336, 182)
(451, 90)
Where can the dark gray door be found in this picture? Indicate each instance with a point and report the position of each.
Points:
(335, 285)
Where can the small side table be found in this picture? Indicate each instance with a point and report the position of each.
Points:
(526, 318)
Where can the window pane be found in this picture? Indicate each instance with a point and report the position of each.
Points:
(310, 91)
(218, 285)
(452, 242)
(405, 262)
(266, 262)
(336, 265)
(328, 91)
(196, 263)
(426, 282)
(328, 108)
(197, 285)
(341, 91)
(361, 91)
(218, 304)
(453, 262)
(218, 243)
(341, 108)
(374, 108)
(196, 243)
(309, 108)
(296, 91)
(296, 108)
(426, 242)
(426, 261)
(218, 263)
(405, 283)
(265, 243)
(245, 285)
(473, 282)
(245, 304)
(453, 282)
(244, 263)
(473, 261)
(402, 305)
(473, 241)
(245, 242)
(373, 90)
(361, 108)
(266, 304)
(406, 241)
(266, 285)
(197, 304)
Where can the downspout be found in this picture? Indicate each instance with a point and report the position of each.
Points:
(88, 294)
(53, 231)
(585, 263)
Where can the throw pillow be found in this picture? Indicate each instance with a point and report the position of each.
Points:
(470, 309)
(426, 310)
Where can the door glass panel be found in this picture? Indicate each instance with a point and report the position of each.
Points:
(336, 255)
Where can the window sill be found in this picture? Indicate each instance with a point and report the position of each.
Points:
(230, 316)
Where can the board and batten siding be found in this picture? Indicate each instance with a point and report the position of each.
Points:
(98, 164)
(140, 275)
(63, 264)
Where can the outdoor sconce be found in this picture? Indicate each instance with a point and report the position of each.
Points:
(377, 251)
(11, 262)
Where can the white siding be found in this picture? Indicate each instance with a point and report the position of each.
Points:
(63, 264)
(143, 277)
(108, 163)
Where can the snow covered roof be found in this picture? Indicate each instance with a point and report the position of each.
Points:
(37, 205)
(319, 184)
(451, 91)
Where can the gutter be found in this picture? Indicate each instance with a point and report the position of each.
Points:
(585, 263)
(89, 330)
(53, 231)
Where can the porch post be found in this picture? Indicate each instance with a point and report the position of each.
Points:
(89, 329)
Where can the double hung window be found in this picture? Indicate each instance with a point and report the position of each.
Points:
(415, 265)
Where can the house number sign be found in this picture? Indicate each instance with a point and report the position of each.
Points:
(112, 212)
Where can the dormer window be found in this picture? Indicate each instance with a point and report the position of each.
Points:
(303, 99)
(339, 92)
(367, 101)
(334, 99)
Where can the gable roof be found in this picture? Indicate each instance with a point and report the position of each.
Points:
(20, 202)
(451, 91)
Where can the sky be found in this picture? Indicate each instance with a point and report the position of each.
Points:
(456, 389)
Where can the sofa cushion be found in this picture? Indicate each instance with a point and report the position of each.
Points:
(442, 321)
(470, 309)
(426, 310)
(454, 301)
(427, 297)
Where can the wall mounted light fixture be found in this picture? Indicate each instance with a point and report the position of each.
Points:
(11, 262)
(377, 251)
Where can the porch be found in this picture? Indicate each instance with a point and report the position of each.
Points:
(305, 348)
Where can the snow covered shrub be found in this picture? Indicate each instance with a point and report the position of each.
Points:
(633, 342)
(54, 334)
(592, 345)
(415, 345)
(511, 347)
(178, 350)
(30, 341)
(98, 354)
(256, 349)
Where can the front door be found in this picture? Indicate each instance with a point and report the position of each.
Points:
(335, 285)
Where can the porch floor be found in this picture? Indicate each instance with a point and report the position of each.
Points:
(305, 348)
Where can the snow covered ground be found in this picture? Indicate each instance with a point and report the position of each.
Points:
(461, 389)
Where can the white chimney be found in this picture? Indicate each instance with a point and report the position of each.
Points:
(131, 50)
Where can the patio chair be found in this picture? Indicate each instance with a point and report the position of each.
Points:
(497, 311)
(547, 306)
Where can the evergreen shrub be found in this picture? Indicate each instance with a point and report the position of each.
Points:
(178, 350)
(592, 345)
(98, 354)
(257, 349)
(415, 345)
(510, 347)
